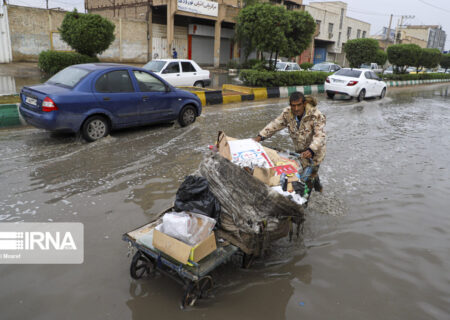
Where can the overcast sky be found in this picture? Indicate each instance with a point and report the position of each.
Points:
(375, 12)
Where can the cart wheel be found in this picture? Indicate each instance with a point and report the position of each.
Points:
(204, 285)
(197, 290)
(140, 265)
(190, 295)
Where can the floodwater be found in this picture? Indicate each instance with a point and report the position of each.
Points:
(376, 242)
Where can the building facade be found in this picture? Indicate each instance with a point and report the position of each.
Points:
(426, 36)
(201, 30)
(334, 29)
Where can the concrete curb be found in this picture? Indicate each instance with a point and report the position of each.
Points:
(236, 93)
(413, 82)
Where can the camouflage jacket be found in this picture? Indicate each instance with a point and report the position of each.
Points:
(309, 135)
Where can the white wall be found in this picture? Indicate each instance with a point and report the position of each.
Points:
(5, 40)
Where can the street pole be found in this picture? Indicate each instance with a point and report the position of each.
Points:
(46, 2)
(388, 32)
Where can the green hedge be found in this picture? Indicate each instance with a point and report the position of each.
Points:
(256, 78)
(415, 76)
(53, 61)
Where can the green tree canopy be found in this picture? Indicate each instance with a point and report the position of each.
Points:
(88, 34)
(299, 34)
(404, 55)
(269, 28)
(445, 61)
(429, 58)
(380, 58)
(359, 51)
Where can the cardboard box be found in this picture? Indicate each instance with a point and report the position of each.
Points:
(181, 251)
(268, 176)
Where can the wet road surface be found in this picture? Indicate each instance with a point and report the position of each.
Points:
(376, 242)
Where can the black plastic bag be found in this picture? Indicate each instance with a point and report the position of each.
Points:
(194, 195)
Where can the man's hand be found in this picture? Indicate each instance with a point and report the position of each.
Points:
(258, 138)
(306, 154)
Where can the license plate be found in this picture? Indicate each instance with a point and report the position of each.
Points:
(338, 81)
(31, 101)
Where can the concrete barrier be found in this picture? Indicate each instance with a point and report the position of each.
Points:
(10, 116)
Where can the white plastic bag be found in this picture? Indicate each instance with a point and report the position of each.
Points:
(190, 228)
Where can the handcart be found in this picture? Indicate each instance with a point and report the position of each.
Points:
(195, 277)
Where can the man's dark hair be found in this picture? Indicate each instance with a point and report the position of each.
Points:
(296, 96)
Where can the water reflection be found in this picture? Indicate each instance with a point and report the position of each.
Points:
(7, 85)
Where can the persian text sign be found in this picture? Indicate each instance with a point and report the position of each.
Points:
(41, 243)
(208, 8)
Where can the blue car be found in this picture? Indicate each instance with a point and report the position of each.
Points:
(96, 98)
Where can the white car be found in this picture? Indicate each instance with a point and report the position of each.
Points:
(180, 72)
(359, 83)
(287, 66)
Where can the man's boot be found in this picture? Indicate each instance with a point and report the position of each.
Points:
(317, 185)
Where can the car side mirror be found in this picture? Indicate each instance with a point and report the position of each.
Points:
(165, 71)
(168, 89)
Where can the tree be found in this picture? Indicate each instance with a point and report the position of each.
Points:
(380, 58)
(404, 55)
(429, 58)
(269, 28)
(359, 51)
(299, 34)
(445, 61)
(88, 34)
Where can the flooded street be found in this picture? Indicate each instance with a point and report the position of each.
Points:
(376, 242)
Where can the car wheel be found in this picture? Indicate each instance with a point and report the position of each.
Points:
(361, 95)
(94, 128)
(330, 95)
(187, 116)
(383, 93)
(198, 84)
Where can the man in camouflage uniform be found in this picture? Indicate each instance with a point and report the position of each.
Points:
(306, 128)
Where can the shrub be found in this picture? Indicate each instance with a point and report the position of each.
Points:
(233, 64)
(306, 65)
(415, 76)
(256, 78)
(404, 55)
(359, 51)
(88, 34)
(250, 63)
(445, 61)
(53, 61)
(380, 58)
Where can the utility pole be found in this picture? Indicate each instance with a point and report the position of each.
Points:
(46, 2)
(399, 26)
(388, 32)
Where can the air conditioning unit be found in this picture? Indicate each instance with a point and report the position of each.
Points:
(330, 35)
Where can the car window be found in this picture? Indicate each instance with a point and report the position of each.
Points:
(187, 67)
(321, 67)
(288, 67)
(348, 73)
(68, 77)
(368, 75)
(114, 81)
(173, 67)
(154, 65)
(148, 83)
(280, 65)
(373, 75)
(296, 67)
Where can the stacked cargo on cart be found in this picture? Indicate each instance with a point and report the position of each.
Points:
(233, 204)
